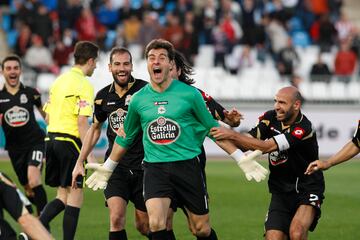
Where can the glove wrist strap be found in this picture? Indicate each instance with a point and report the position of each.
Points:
(237, 155)
(110, 164)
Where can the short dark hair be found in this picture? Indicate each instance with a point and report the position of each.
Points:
(11, 57)
(84, 50)
(160, 43)
(185, 68)
(298, 97)
(120, 50)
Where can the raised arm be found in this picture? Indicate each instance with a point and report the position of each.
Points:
(349, 151)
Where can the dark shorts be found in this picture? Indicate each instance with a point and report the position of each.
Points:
(127, 184)
(10, 201)
(6, 231)
(62, 151)
(283, 207)
(20, 160)
(181, 181)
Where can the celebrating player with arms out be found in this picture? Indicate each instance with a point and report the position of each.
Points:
(350, 150)
(24, 137)
(175, 121)
(111, 104)
(289, 138)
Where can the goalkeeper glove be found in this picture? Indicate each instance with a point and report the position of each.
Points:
(251, 168)
(101, 174)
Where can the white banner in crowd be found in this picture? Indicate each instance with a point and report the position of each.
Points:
(333, 128)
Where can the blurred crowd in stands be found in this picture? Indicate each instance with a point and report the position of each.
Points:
(43, 32)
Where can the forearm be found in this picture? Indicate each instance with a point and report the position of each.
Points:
(347, 152)
(117, 152)
(246, 142)
(90, 139)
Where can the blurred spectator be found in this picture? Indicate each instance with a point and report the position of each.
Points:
(182, 7)
(88, 27)
(173, 31)
(62, 53)
(320, 71)
(323, 33)
(4, 50)
(287, 60)
(319, 7)
(344, 27)
(232, 30)
(190, 45)
(69, 11)
(248, 22)
(120, 39)
(132, 27)
(126, 11)
(42, 24)
(220, 46)
(39, 57)
(277, 34)
(208, 16)
(150, 29)
(24, 40)
(345, 62)
(108, 15)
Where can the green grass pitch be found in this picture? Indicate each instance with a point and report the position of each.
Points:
(237, 207)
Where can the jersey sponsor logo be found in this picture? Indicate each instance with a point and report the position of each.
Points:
(110, 103)
(16, 116)
(277, 158)
(83, 104)
(298, 132)
(23, 98)
(116, 119)
(4, 100)
(161, 103)
(163, 131)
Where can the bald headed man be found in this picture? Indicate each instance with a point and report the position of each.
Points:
(290, 141)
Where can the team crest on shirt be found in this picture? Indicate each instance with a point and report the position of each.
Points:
(161, 110)
(23, 98)
(116, 119)
(16, 116)
(277, 158)
(127, 100)
(163, 131)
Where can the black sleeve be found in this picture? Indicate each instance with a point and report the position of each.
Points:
(356, 138)
(261, 130)
(216, 110)
(36, 96)
(99, 114)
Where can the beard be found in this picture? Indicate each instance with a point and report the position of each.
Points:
(121, 84)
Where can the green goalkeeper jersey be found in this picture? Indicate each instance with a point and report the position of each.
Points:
(174, 122)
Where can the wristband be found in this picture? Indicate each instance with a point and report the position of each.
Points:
(110, 164)
(237, 155)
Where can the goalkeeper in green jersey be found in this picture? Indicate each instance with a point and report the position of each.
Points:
(174, 121)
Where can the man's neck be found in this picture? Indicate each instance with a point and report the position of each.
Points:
(122, 90)
(82, 68)
(161, 87)
(12, 90)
